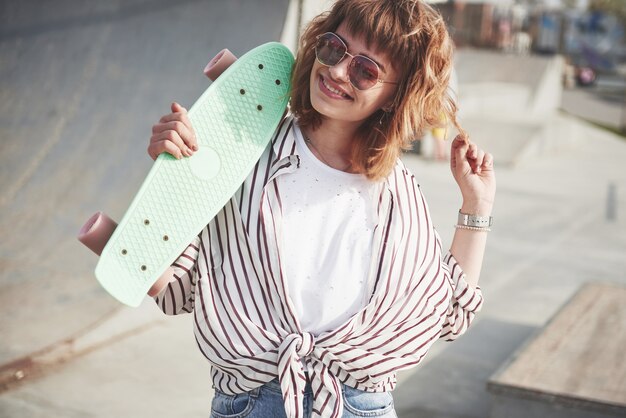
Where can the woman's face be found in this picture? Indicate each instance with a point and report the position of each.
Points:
(333, 96)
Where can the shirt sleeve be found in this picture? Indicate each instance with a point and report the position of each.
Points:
(465, 303)
(179, 294)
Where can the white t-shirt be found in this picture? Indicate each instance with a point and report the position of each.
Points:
(327, 230)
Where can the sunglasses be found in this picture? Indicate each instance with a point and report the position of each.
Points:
(363, 72)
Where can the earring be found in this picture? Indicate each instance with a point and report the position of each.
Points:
(386, 111)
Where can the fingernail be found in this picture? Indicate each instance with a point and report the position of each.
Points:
(189, 152)
(195, 147)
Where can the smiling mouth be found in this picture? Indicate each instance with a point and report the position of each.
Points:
(334, 90)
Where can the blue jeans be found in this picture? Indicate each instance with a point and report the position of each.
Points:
(267, 402)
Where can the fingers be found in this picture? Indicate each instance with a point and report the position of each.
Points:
(182, 131)
(158, 148)
(170, 142)
(460, 141)
(176, 107)
(458, 152)
(487, 163)
(179, 114)
(467, 152)
(476, 159)
(173, 134)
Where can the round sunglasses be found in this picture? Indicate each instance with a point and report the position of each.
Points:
(363, 72)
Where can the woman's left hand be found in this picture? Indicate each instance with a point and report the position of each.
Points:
(472, 169)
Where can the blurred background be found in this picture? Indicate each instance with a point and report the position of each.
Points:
(540, 84)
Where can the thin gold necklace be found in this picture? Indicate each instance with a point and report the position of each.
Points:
(308, 141)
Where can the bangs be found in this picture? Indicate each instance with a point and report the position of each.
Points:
(384, 26)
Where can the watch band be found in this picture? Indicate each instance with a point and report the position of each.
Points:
(474, 220)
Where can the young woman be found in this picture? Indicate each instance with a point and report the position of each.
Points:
(323, 276)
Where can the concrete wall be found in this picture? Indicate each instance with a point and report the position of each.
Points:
(301, 11)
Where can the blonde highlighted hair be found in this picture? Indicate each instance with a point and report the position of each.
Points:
(413, 37)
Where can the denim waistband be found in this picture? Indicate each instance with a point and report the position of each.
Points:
(274, 385)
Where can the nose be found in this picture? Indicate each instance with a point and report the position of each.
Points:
(339, 71)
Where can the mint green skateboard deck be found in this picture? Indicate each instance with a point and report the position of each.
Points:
(234, 120)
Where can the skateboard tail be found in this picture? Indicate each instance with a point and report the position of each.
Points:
(133, 298)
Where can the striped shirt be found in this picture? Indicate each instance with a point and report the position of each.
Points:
(231, 278)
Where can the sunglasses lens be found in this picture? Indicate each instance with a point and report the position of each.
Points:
(363, 72)
(329, 49)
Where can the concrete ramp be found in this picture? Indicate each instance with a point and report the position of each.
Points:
(574, 367)
(81, 84)
(505, 85)
(509, 104)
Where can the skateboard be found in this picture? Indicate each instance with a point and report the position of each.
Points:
(234, 119)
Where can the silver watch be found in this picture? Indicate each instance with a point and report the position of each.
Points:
(474, 220)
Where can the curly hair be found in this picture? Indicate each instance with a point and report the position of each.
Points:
(415, 36)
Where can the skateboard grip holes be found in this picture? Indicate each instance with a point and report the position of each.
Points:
(146, 222)
(144, 268)
(278, 82)
(260, 66)
(259, 107)
(166, 238)
(242, 91)
(124, 252)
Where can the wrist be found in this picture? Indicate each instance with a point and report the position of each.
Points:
(477, 207)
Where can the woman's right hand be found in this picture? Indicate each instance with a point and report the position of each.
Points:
(173, 134)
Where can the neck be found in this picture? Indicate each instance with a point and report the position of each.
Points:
(332, 142)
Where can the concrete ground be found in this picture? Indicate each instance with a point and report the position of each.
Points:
(80, 90)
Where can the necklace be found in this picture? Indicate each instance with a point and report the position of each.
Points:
(317, 151)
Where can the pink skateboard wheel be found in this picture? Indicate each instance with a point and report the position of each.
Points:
(219, 63)
(96, 232)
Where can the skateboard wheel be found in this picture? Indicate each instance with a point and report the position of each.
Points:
(96, 232)
(219, 63)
